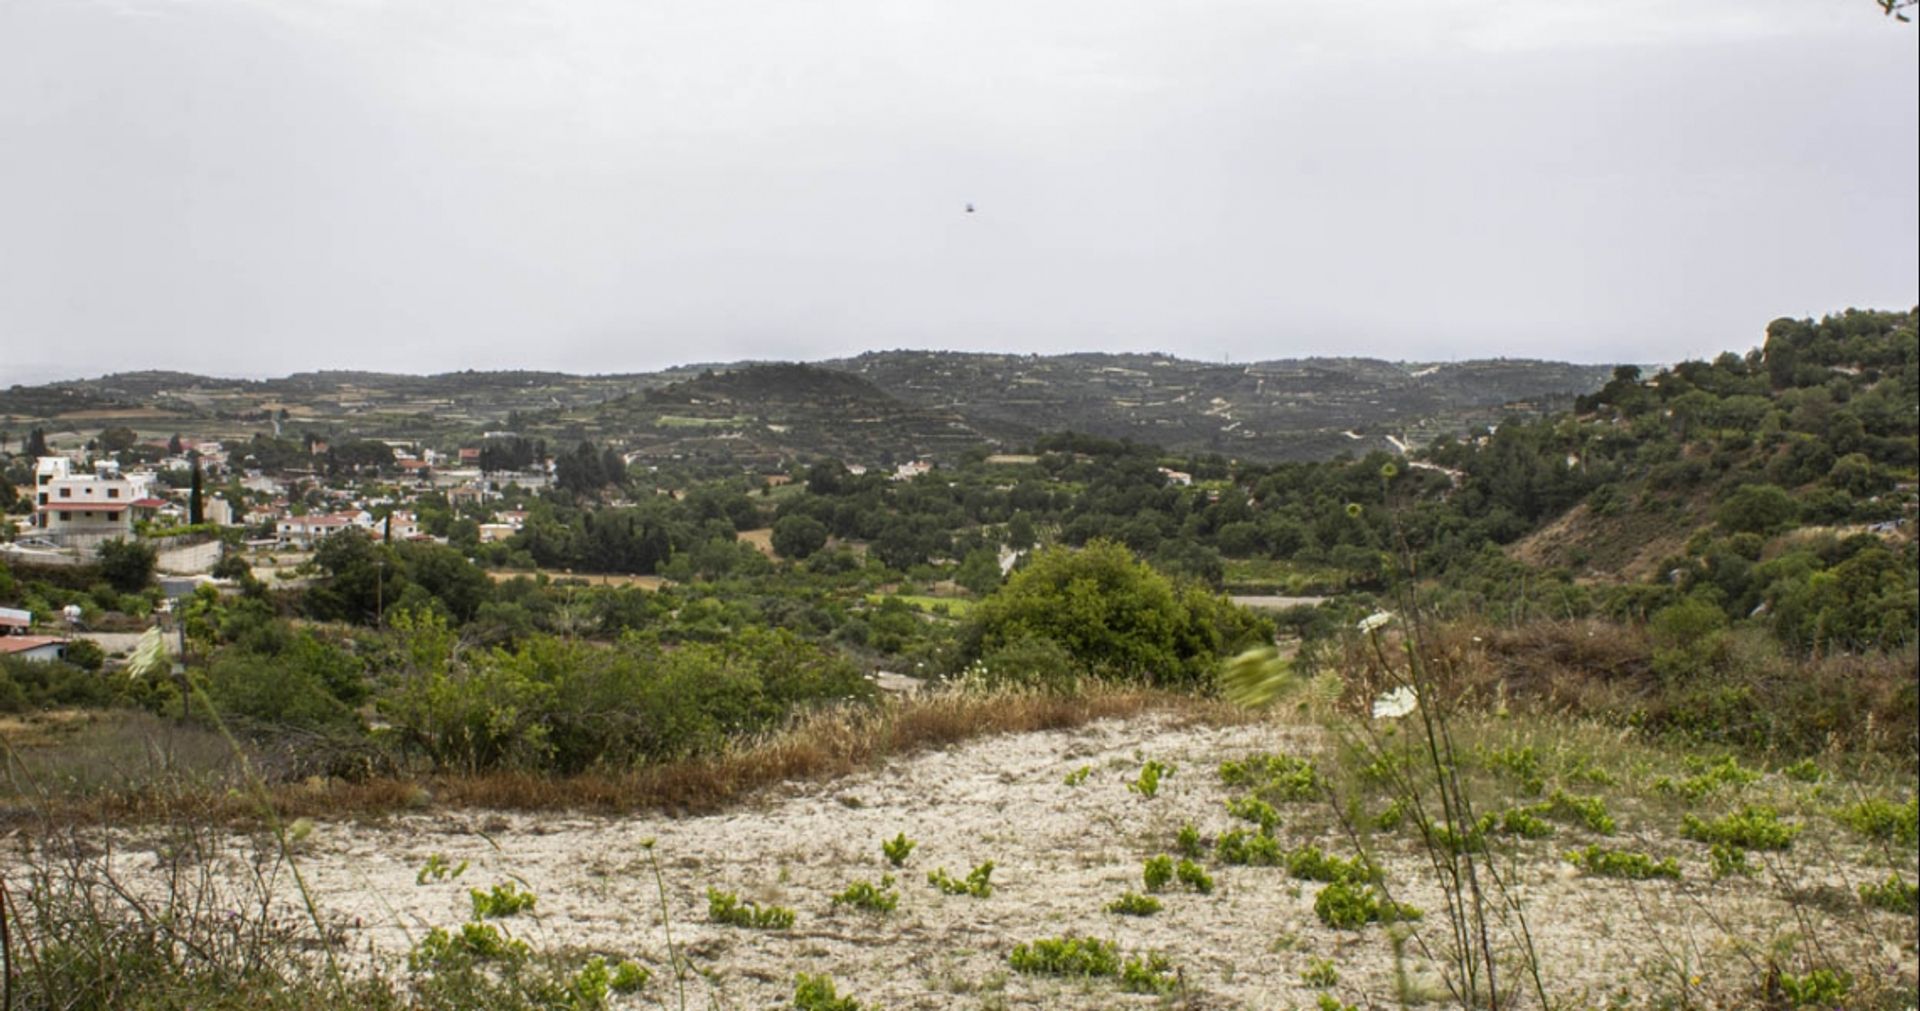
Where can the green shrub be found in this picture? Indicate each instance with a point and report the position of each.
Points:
(1253, 809)
(1729, 861)
(1114, 616)
(1241, 848)
(1308, 863)
(1274, 778)
(978, 883)
(1346, 906)
(1606, 863)
(1819, 988)
(1187, 843)
(1067, 956)
(1754, 827)
(1708, 779)
(1078, 776)
(505, 899)
(1522, 764)
(897, 849)
(629, 977)
(1877, 819)
(1588, 811)
(1157, 872)
(1893, 895)
(1194, 876)
(873, 897)
(1524, 822)
(817, 993)
(445, 951)
(1153, 974)
(1134, 904)
(1148, 783)
(1320, 974)
(725, 907)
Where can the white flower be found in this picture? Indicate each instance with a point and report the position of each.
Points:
(1395, 704)
(1375, 620)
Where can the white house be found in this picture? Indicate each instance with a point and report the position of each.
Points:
(33, 647)
(306, 531)
(68, 500)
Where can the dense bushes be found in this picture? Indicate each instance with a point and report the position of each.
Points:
(568, 706)
(1111, 616)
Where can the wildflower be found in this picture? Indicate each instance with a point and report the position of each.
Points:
(1354, 510)
(1395, 704)
(1375, 620)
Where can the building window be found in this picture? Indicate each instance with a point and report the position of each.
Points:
(66, 493)
(65, 516)
(113, 493)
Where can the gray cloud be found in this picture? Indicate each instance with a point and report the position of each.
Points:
(255, 187)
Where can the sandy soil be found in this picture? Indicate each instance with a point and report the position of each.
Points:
(1061, 853)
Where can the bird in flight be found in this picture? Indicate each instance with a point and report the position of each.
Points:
(969, 208)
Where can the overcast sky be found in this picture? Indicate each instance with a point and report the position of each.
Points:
(252, 187)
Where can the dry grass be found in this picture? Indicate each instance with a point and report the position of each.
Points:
(820, 746)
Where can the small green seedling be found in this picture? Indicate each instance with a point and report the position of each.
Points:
(897, 849)
(506, 899)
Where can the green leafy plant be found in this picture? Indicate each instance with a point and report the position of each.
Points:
(505, 899)
(1729, 861)
(1346, 906)
(1157, 872)
(1893, 895)
(726, 907)
(1590, 812)
(817, 993)
(1608, 863)
(1134, 904)
(978, 882)
(1274, 777)
(870, 896)
(1875, 818)
(1078, 776)
(1707, 778)
(1241, 848)
(1147, 784)
(446, 951)
(1754, 827)
(1320, 973)
(1067, 956)
(629, 977)
(897, 849)
(1253, 809)
(1818, 988)
(1524, 822)
(439, 868)
(1520, 763)
(1153, 974)
(1187, 843)
(1194, 876)
(1805, 770)
(1309, 863)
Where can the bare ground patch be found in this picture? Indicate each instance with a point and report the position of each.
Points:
(1060, 854)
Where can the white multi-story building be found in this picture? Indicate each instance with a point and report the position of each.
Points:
(68, 500)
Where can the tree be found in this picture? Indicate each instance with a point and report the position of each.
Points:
(1114, 616)
(37, 444)
(126, 565)
(117, 439)
(174, 446)
(196, 502)
(798, 536)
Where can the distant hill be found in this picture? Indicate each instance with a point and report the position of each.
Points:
(880, 405)
(1291, 409)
